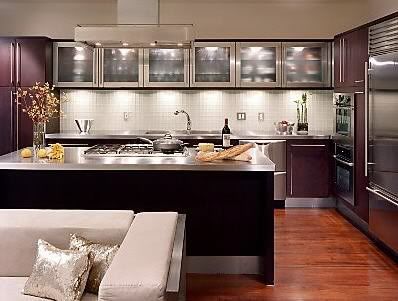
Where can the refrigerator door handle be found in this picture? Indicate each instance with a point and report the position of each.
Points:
(366, 116)
(12, 58)
(17, 123)
(379, 194)
(12, 119)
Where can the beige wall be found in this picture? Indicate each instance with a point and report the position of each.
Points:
(381, 8)
(212, 18)
(52, 18)
(266, 18)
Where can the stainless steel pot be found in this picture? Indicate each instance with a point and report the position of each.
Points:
(167, 144)
(84, 125)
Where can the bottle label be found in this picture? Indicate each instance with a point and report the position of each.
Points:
(226, 140)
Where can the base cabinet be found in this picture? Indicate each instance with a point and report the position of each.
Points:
(308, 172)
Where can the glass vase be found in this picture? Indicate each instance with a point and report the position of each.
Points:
(39, 137)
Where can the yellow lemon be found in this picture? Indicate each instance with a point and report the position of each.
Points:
(26, 153)
(42, 153)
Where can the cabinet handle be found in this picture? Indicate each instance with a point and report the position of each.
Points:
(359, 92)
(291, 174)
(12, 55)
(343, 162)
(379, 194)
(359, 81)
(366, 116)
(17, 123)
(12, 119)
(308, 145)
(18, 61)
(341, 57)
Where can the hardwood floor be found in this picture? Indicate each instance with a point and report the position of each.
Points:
(319, 256)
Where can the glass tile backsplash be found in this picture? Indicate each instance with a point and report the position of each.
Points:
(154, 109)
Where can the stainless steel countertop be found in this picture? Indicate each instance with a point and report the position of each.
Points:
(75, 161)
(239, 135)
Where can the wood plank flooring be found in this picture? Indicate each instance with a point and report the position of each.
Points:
(319, 256)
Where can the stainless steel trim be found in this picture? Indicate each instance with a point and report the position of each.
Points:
(383, 37)
(366, 125)
(147, 83)
(277, 173)
(17, 123)
(75, 144)
(56, 46)
(359, 92)
(308, 145)
(232, 70)
(18, 63)
(343, 162)
(326, 63)
(359, 81)
(278, 65)
(12, 57)
(378, 193)
(291, 174)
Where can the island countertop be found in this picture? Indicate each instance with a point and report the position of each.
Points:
(195, 135)
(74, 160)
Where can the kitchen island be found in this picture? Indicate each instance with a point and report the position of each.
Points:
(229, 204)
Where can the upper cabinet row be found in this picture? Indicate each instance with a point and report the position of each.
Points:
(210, 64)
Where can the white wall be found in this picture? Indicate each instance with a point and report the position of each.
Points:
(213, 18)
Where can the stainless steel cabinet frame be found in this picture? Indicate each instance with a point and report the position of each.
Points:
(325, 60)
(121, 84)
(231, 66)
(56, 66)
(278, 62)
(149, 83)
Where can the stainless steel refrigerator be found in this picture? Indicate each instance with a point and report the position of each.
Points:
(382, 131)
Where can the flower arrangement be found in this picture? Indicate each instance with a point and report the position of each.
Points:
(39, 102)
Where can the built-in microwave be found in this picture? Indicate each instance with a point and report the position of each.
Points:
(344, 114)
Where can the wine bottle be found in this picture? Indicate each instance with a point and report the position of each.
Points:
(226, 135)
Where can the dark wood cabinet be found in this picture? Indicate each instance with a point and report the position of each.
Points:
(308, 172)
(350, 55)
(23, 62)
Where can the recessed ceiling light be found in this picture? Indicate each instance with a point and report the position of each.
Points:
(125, 44)
(98, 44)
(179, 44)
(153, 44)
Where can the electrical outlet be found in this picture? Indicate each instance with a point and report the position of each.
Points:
(126, 116)
(241, 116)
(260, 116)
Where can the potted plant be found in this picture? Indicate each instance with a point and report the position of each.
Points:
(302, 121)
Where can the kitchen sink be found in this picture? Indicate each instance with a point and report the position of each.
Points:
(182, 132)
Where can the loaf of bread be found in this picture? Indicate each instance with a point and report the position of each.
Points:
(225, 154)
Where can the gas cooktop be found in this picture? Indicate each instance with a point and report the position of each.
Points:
(130, 150)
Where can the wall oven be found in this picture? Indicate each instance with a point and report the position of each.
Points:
(344, 173)
(344, 115)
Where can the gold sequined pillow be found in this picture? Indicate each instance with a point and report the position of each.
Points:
(58, 274)
(102, 256)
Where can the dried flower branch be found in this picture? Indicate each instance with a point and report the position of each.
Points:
(40, 102)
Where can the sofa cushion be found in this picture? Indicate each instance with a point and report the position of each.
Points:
(140, 268)
(20, 229)
(11, 288)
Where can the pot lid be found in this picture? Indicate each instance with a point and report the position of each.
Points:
(168, 139)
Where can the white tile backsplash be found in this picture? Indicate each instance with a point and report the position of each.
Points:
(154, 109)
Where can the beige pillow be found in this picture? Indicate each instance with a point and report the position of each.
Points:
(58, 274)
(102, 256)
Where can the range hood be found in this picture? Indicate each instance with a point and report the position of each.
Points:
(136, 35)
(138, 26)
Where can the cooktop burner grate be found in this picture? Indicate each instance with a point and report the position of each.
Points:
(130, 150)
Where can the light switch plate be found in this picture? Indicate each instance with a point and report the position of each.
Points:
(261, 116)
(241, 116)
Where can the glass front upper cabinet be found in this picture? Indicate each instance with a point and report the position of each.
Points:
(120, 67)
(164, 67)
(74, 65)
(258, 64)
(213, 64)
(307, 64)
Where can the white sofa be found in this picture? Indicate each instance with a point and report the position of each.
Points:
(148, 265)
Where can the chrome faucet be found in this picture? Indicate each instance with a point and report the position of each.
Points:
(189, 123)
